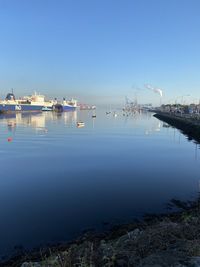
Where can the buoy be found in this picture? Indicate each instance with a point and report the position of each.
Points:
(9, 139)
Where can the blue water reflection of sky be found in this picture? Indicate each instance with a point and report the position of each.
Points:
(57, 179)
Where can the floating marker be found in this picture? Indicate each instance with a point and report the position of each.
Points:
(9, 139)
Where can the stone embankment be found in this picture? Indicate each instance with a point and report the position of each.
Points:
(188, 124)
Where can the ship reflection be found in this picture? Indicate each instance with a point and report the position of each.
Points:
(70, 118)
(38, 121)
(156, 127)
(149, 128)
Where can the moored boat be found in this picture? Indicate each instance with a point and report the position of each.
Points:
(86, 107)
(80, 124)
(69, 104)
(47, 109)
(65, 105)
(31, 103)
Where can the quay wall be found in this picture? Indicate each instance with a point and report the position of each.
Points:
(188, 124)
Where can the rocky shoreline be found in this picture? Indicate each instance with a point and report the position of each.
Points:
(171, 239)
(189, 126)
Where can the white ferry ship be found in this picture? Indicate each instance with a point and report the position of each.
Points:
(34, 102)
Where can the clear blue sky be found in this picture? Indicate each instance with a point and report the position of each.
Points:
(99, 50)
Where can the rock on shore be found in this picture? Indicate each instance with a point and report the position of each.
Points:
(163, 242)
(168, 240)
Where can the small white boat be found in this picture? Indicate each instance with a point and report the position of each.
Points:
(80, 124)
(46, 109)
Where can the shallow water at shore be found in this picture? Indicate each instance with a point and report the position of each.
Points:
(57, 179)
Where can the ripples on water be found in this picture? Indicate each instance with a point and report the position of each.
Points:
(57, 179)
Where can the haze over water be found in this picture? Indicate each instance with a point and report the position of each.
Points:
(57, 180)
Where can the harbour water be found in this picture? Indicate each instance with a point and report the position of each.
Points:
(57, 180)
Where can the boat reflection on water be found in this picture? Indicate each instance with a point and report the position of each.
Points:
(155, 127)
(38, 121)
(41, 121)
(70, 118)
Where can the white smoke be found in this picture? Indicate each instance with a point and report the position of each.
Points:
(154, 89)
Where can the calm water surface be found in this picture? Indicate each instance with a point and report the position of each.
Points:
(57, 179)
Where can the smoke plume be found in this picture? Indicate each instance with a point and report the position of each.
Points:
(154, 89)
